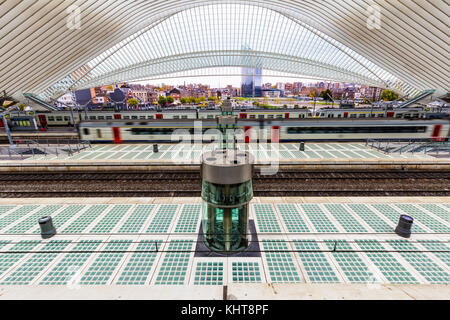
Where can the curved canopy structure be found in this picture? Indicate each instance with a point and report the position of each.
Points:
(401, 45)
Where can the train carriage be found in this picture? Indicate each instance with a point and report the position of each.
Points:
(118, 131)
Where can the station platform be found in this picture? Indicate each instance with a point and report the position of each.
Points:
(105, 247)
(315, 155)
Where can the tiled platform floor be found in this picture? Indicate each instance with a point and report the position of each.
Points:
(262, 152)
(151, 241)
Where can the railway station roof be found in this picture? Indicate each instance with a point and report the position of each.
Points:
(51, 47)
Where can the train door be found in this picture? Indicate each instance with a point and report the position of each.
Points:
(43, 120)
(116, 135)
(286, 115)
(275, 134)
(243, 115)
(390, 114)
(1, 123)
(159, 116)
(247, 134)
(117, 116)
(435, 134)
(345, 114)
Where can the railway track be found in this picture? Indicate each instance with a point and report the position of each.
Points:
(187, 184)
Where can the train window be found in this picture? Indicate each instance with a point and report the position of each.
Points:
(380, 115)
(50, 118)
(353, 116)
(99, 133)
(59, 118)
(150, 117)
(86, 131)
(339, 115)
(270, 116)
(126, 117)
(150, 131)
(134, 117)
(92, 117)
(129, 123)
(309, 114)
(142, 117)
(184, 117)
(176, 117)
(101, 118)
(362, 115)
(108, 117)
(398, 115)
(252, 116)
(66, 119)
(352, 130)
(279, 116)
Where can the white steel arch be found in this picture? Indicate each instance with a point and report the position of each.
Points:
(409, 52)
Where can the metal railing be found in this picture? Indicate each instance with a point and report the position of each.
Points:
(413, 146)
(31, 148)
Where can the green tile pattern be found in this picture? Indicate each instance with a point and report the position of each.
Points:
(393, 215)
(318, 218)
(138, 268)
(163, 218)
(137, 218)
(246, 272)
(317, 266)
(83, 221)
(101, 270)
(371, 218)
(442, 213)
(431, 271)
(266, 219)
(189, 218)
(433, 245)
(345, 218)
(20, 249)
(393, 270)
(423, 217)
(209, 273)
(6, 208)
(292, 218)
(33, 266)
(32, 220)
(15, 215)
(174, 268)
(281, 265)
(63, 216)
(351, 263)
(111, 219)
(67, 267)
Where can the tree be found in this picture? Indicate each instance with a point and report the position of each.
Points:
(170, 99)
(183, 100)
(326, 95)
(191, 100)
(133, 102)
(162, 101)
(388, 95)
(202, 98)
(211, 98)
(313, 94)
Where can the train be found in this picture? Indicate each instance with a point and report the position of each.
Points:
(276, 130)
(63, 118)
(397, 113)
